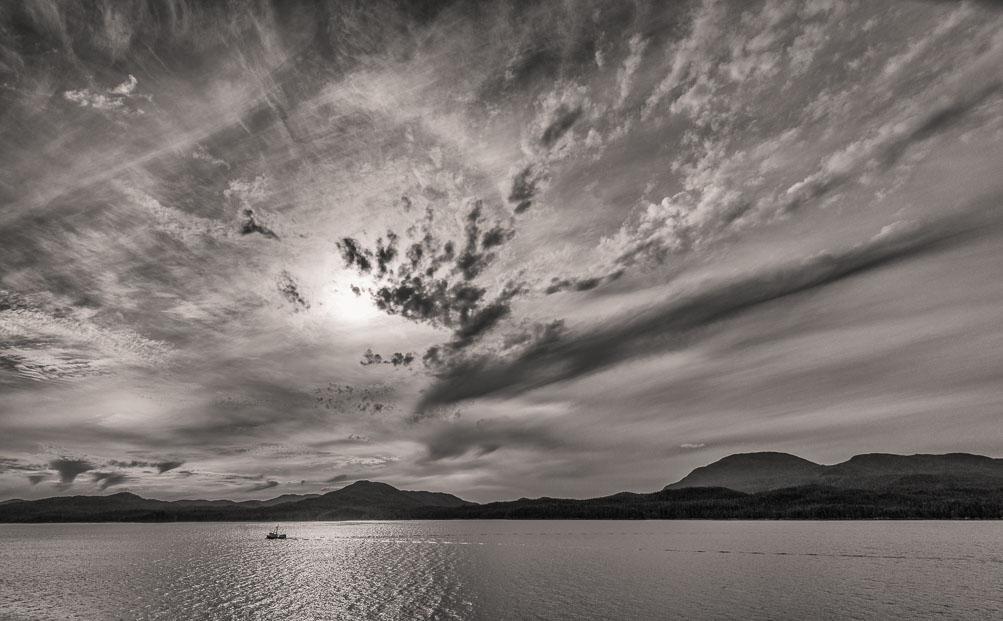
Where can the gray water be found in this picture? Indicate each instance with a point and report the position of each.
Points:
(504, 570)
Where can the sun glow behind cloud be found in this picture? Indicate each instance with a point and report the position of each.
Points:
(344, 305)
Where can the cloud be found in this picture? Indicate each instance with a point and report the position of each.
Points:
(422, 287)
(373, 399)
(13, 463)
(164, 466)
(117, 99)
(398, 359)
(251, 225)
(886, 145)
(690, 445)
(354, 255)
(524, 188)
(161, 466)
(575, 355)
(107, 479)
(35, 479)
(68, 469)
(453, 440)
(46, 341)
(338, 478)
(565, 118)
(125, 88)
(637, 44)
(263, 486)
(289, 289)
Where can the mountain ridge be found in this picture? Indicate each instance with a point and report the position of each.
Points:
(870, 486)
(765, 471)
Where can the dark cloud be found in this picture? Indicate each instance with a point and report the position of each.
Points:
(496, 236)
(68, 469)
(485, 318)
(262, 486)
(369, 358)
(475, 255)
(290, 291)
(129, 464)
(337, 478)
(398, 359)
(375, 399)
(525, 184)
(523, 189)
(432, 356)
(251, 225)
(569, 356)
(164, 466)
(35, 479)
(416, 290)
(161, 466)
(458, 439)
(565, 118)
(354, 255)
(107, 479)
(386, 253)
(578, 284)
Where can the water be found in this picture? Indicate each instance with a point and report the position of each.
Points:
(504, 570)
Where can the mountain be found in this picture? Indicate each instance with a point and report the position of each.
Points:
(278, 500)
(360, 500)
(807, 502)
(758, 472)
(366, 500)
(77, 508)
(753, 472)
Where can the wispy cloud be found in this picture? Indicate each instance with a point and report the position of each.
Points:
(573, 355)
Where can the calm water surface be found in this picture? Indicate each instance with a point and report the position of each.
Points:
(504, 570)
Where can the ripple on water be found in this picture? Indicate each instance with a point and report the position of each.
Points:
(503, 570)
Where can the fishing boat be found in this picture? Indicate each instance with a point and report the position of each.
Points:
(275, 534)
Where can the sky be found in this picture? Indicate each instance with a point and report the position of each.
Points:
(498, 249)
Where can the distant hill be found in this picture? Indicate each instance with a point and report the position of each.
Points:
(278, 500)
(365, 500)
(808, 502)
(360, 500)
(754, 472)
(758, 472)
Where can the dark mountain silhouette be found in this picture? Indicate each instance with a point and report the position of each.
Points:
(278, 500)
(757, 472)
(753, 472)
(365, 500)
(360, 500)
(807, 502)
(772, 486)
